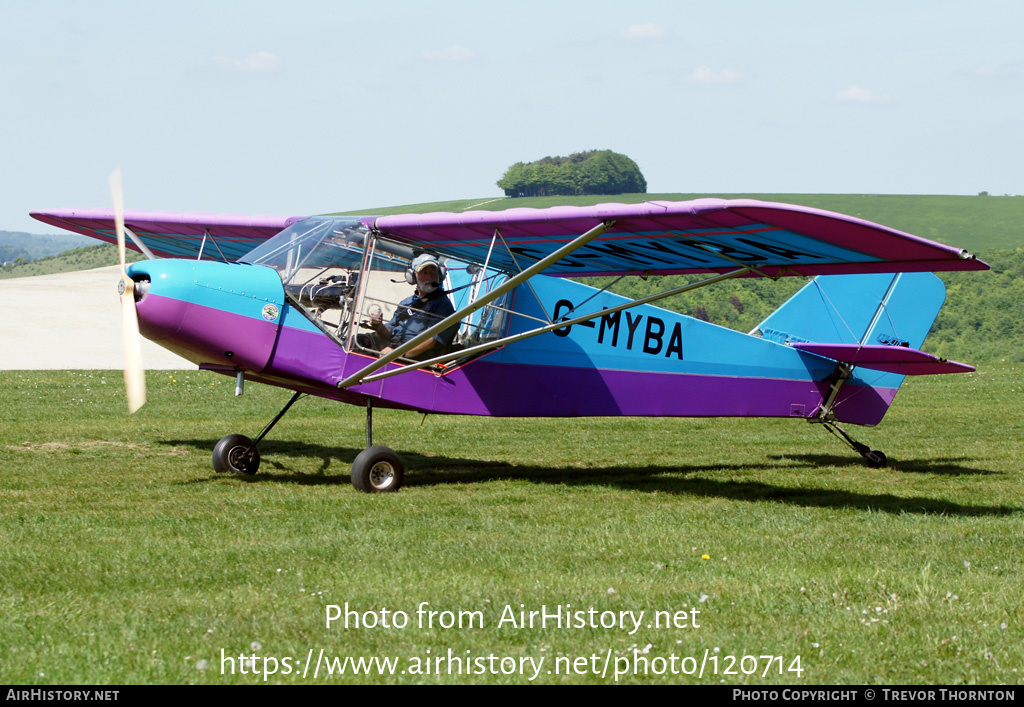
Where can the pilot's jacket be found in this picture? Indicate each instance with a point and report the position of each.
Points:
(416, 314)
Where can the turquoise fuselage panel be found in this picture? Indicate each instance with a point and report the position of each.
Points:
(644, 339)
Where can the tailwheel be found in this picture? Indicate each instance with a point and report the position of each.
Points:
(377, 470)
(875, 458)
(236, 454)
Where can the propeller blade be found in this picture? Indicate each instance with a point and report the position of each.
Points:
(134, 375)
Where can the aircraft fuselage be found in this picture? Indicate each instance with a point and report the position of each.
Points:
(646, 361)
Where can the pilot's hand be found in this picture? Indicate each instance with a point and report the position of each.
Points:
(376, 314)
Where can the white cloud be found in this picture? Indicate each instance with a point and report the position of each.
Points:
(1011, 70)
(859, 94)
(644, 33)
(453, 53)
(260, 61)
(707, 76)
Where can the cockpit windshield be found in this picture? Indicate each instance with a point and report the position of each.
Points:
(347, 280)
(313, 242)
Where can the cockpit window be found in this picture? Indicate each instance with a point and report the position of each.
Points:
(344, 278)
(310, 243)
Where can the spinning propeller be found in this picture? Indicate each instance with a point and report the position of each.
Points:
(134, 375)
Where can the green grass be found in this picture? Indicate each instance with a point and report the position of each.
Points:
(127, 560)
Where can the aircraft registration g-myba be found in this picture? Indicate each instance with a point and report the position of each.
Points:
(475, 313)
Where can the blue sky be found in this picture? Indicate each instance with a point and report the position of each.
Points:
(305, 107)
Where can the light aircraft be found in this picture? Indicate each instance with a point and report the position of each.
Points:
(283, 301)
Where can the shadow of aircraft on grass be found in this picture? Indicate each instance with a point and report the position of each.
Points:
(669, 479)
(943, 466)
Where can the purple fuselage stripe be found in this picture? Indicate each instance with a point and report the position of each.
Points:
(313, 362)
(206, 335)
(509, 390)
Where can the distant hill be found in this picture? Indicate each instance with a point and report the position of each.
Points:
(32, 246)
(87, 258)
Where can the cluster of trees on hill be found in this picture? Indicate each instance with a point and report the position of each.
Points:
(592, 172)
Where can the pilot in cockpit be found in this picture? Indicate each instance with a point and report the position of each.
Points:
(415, 314)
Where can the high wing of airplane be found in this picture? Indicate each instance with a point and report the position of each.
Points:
(170, 234)
(494, 320)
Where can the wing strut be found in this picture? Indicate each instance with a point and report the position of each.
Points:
(138, 242)
(881, 308)
(473, 350)
(494, 294)
(519, 267)
(202, 246)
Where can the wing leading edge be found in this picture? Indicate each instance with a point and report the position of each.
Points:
(175, 235)
(669, 238)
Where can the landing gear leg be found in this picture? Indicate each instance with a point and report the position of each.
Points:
(369, 422)
(873, 457)
(826, 417)
(377, 469)
(238, 453)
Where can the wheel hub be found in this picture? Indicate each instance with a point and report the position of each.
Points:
(239, 459)
(381, 475)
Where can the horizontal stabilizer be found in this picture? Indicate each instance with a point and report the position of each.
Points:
(892, 359)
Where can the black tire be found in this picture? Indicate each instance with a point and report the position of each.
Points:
(229, 456)
(876, 459)
(377, 470)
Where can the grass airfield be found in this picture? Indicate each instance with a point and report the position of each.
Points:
(127, 560)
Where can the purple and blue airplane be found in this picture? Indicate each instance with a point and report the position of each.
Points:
(288, 301)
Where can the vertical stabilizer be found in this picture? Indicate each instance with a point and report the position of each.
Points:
(890, 309)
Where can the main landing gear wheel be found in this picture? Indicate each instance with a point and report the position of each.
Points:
(377, 470)
(229, 455)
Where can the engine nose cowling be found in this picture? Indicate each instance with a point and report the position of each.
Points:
(222, 314)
